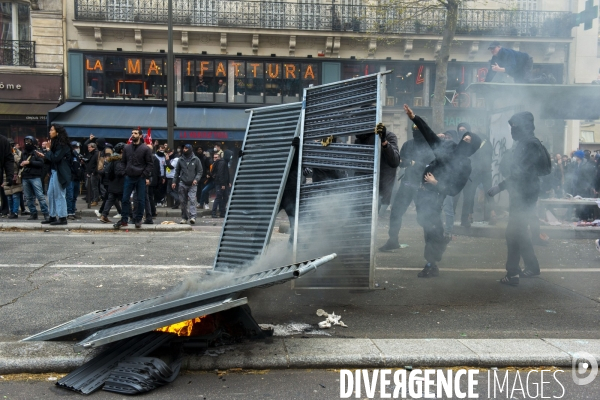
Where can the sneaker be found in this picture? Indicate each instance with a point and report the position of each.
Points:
(527, 273)
(159, 205)
(597, 241)
(206, 207)
(120, 224)
(183, 221)
(148, 222)
(117, 216)
(192, 221)
(49, 220)
(32, 217)
(429, 271)
(510, 280)
(138, 224)
(25, 213)
(213, 216)
(105, 219)
(71, 217)
(12, 216)
(97, 213)
(93, 204)
(390, 245)
(61, 221)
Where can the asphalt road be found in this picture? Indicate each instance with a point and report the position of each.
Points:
(307, 385)
(50, 278)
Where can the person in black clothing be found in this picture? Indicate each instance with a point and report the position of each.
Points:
(415, 154)
(116, 177)
(33, 167)
(389, 160)
(59, 157)
(481, 173)
(220, 174)
(522, 168)
(152, 190)
(445, 176)
(514, 63)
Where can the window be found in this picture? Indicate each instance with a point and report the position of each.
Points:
(586, 136)
(14, 21)
(94, 77)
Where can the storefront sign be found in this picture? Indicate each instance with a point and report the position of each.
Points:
(30, 87)
(203, 135)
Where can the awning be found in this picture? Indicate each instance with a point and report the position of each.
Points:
(550, 101)
(25, 111)
(116, 121)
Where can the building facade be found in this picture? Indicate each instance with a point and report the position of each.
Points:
(237, 54)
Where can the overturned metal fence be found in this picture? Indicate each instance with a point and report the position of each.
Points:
(339, 214)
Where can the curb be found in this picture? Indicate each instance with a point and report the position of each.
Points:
(92, 227)
(160, 213)
(320, 353)
(555, 232)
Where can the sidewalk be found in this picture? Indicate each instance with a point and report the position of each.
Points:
(290, 352)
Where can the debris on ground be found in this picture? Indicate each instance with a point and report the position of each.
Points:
(293, 328)
(331, 319)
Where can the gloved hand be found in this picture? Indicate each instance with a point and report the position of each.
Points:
(307, 171)
(494, 190)
(241, 153)
(381, 131)
(296, 142)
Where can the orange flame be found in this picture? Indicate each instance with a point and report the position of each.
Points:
(183, 328)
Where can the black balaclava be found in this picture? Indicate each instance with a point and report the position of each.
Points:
(521, 125)
(465, 149)
(453, 134)
(100, 144)
(465, 125)
(187, 150)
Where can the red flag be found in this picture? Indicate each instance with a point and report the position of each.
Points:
(129, 141)
(148, 138)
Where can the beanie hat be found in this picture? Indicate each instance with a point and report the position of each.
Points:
(579, 154)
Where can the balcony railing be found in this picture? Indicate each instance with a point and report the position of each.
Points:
(310, 15)
(18, 53)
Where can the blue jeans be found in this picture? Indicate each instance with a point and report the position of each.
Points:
(72, 191)
(57, 197)
(139, 184)
(13, 202)
(32, 189)
(205, 192)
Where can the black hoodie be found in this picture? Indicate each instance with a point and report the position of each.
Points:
(7, 160)
(451, 166)
(522, 165)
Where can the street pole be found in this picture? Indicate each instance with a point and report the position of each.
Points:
(170, 82)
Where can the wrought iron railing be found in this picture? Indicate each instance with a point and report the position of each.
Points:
(311, 15)
(17, 53)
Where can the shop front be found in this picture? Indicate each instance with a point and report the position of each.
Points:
(24, 104)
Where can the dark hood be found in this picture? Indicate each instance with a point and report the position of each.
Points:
(101, 144)
(465, 149)
(521, 125)
(453, 134)
(465, 124)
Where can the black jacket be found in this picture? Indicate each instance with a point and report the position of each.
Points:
(115, 173)
(390, 159)
(137, 160)
(35, 168)
(155, 177)
(7, 160)
(418, 151)
(451, 166)
(520, 165)
(220, 173)
(91, 167)
(59, 158)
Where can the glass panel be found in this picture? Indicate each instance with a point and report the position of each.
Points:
(235, 82)
(189, 79)
(114, 72)
(206, 83)
(154, 79)
(255, 82)
(310, 74)
(221, 89)
(24, 29)
(6, 21)
(291, 88)
(94, 77)
(273, 83)
(134, 85)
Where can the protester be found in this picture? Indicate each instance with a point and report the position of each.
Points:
(115, 174)
(171, 161)
(187, 175)
(445, 176)
(156, 178)
(31, 174)
(521, 168)
(515, 64)
(91, 170)
(13, 192)
(137, 165)
(58, 155)
(160, 190)
(77, 175)
(220, 173)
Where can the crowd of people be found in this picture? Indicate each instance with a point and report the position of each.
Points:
(47, 178)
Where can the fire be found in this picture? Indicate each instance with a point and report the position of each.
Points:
(183, 328)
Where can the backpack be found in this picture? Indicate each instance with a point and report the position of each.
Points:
(544, 164)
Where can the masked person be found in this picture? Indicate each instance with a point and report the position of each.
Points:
(187, 175)
(445, 176)
(527, 160)
(389, 160)
(415, 154)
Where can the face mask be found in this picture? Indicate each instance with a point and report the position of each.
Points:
(160, 153)
(179, 150)
(29, 146)
(186, 152)
(76, 151)
(215, 149)
(574, 159)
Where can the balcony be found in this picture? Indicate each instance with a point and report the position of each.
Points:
(17, 53)
(307, 15)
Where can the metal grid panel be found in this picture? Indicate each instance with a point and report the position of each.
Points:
(128, 330)
(340, 214)
(166, 304)
(258, 185)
